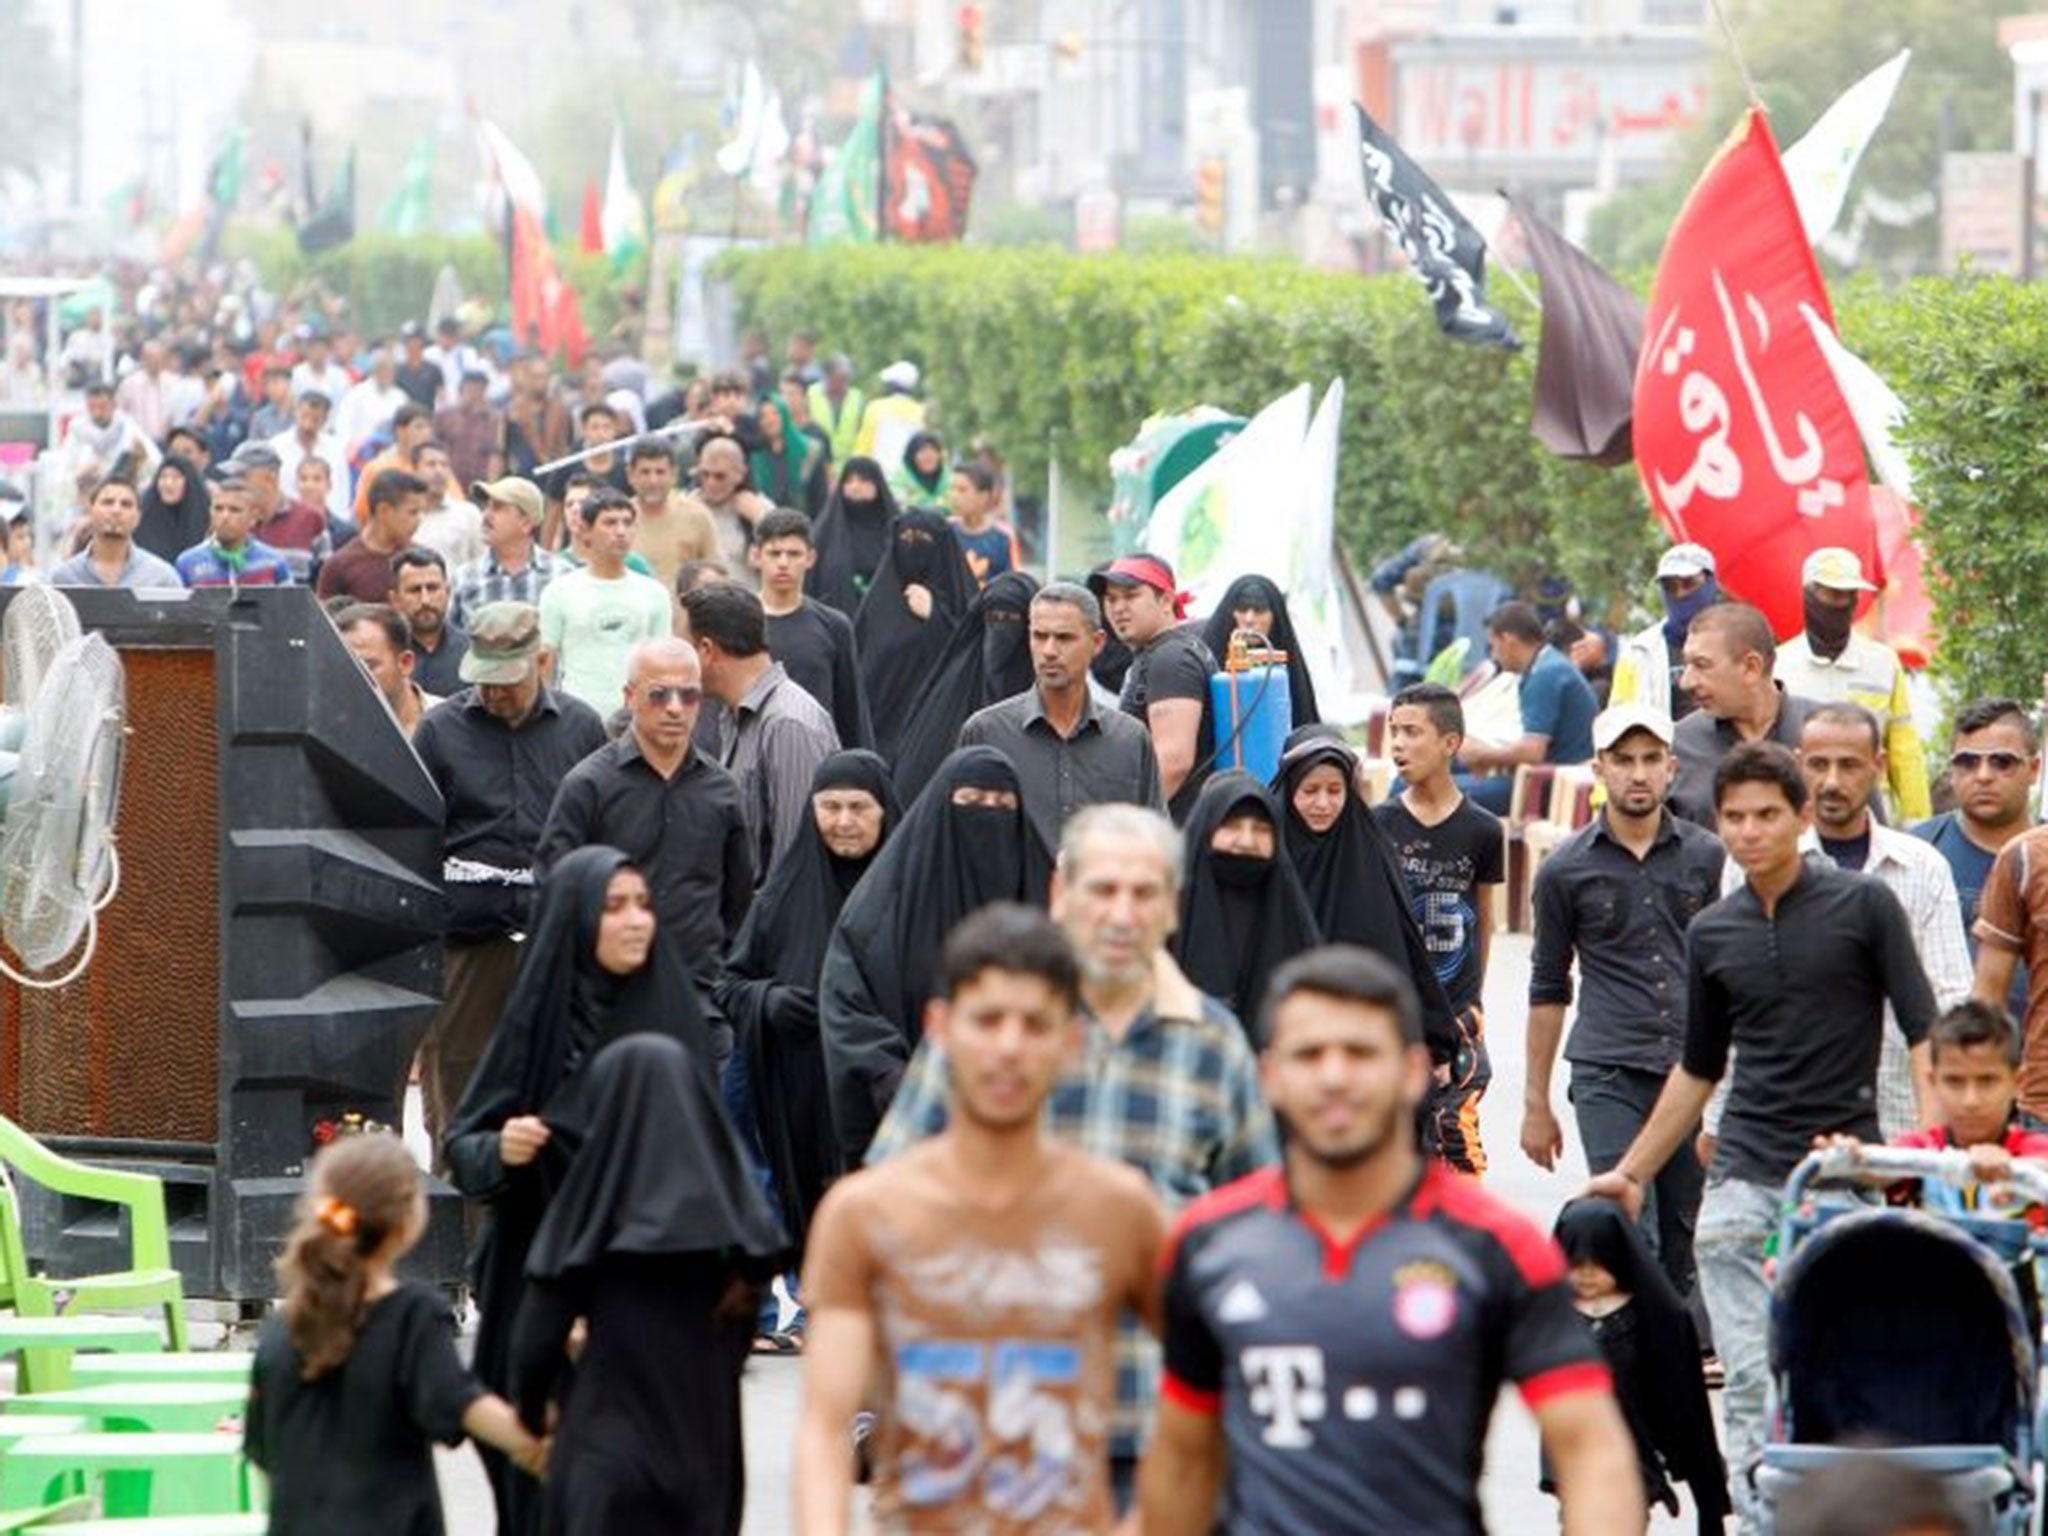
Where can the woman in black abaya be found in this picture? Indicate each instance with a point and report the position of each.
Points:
(1255, 603)
(921, 590)
(1242, 910)
(177, 509)
(770, 992)
(576, 991)
(659, 1239)
(964, 844)
(1348, 869)
(851, 536)
(987, 660)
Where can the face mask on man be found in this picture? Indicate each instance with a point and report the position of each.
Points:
(1679, 612)
(1827, 627)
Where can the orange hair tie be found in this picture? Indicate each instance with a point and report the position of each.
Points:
(337, 1216)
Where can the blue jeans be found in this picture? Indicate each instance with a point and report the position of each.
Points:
(1610, 1105)
(1737, 1219)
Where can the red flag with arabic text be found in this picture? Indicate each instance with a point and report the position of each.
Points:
(1742, 437)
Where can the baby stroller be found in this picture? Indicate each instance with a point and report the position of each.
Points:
(1906, 1332)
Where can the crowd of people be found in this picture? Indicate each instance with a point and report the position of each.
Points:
(859, 949)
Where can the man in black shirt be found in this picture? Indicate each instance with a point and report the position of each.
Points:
(812, 640)
(498, 752)
(1068, 753)
(420, 591)
(1167, 686)
(1729, 656)
(670, 809)
(1793, 972)
(1618, 895)
(1337, 1330)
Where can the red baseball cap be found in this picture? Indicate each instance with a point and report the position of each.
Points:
(1140, 571)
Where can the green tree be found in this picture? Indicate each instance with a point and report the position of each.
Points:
(1957, 93)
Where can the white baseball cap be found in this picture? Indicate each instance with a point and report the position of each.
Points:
(1685, 560)
(1611, 724)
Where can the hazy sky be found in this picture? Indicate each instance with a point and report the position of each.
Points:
(164, 69)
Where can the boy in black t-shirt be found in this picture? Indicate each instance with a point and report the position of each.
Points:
(1451, 852)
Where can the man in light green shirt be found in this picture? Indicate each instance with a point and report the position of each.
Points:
(592, 617)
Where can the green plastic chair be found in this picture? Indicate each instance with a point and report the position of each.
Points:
(172, 1407)
(151, 1281)
(195, 1365)
(139, 1473)
(159, 1525)
(50, 1346)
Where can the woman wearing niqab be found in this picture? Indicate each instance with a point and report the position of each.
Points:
(1242, 916)
(987, 660)
(851, 536)
(565, 1006)
(770, 994)
(965, 843)
(898, 648)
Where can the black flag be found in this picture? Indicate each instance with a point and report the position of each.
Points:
(1586, 360)
(334, 221)
(1446, 252)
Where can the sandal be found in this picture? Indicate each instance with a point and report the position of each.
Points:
(779, 1343)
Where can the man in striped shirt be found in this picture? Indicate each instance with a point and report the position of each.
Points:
(514, 567)
(230, 557)
(1166, 1080)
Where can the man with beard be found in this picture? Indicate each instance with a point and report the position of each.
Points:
(1618, 896)
(1069, 752)
(1646, 673)
(1829, 663)
(1994, 759)
(1294, 1389)
(1165, 1081)
(1243, 912)
(419, 592)
(113, 559)
(1167, 686)
(964, 844)
(981, 1275)
(497, 751)
(769, 990)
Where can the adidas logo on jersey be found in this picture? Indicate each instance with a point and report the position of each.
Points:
(1242, 1303)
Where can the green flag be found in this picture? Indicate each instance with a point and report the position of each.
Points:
(409, 208)
(846, 202)
(224, 176)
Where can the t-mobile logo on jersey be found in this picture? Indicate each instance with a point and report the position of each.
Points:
(1286, 1384)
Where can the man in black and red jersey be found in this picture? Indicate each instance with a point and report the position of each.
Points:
(1337, 1329)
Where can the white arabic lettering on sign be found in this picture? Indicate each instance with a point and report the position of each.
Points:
(1703, 409)
(1716, 470)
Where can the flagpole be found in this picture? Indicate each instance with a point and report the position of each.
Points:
(1735, 48)
(882, 163)
(1521, 284)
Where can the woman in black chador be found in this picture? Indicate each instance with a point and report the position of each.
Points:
(593, 969)
(659, 1240)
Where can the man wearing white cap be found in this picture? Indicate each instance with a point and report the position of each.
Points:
(1647, 671)
(891, 420)
(1830, 663)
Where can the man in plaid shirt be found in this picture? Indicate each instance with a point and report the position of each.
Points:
(1167, 1081)
(514, 567)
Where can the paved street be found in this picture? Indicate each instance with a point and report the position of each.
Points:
(1513, 1504)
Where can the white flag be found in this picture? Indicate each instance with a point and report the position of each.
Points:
(737, 156)
(511, 170)
(623, 219)
(1876, 409)
(1824, 160)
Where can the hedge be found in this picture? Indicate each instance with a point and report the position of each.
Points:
(1051, 353)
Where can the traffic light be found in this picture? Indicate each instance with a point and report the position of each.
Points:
(1209, 177)
(973, 35)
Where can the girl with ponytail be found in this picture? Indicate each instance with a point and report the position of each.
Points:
(356, 1374)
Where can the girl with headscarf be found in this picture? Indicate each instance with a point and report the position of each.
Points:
(658, 1239)
(920, 480)
(177, 510)
(1242, 910)
(1348, 869)
(920, 593)
(789, 466)
(770, 991)
(1653, 1350)
(964, 844)
(593, 968)
(1257, 604)
(851, 536)
(987, 660)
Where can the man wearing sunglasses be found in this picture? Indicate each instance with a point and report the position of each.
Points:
(1994, 762)
(670, 809)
